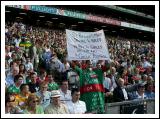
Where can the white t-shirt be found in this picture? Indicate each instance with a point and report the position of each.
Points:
(67, 66)
(17, 42)
(72, 76)
(78, 107)
(58, 65)
(107, 83)
(29, 66)
(125, 94)
(65, 97)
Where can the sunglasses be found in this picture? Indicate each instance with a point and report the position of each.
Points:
(12, 100)
(34, 101)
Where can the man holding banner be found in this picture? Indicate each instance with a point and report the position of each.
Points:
(91, 88)
(89, 46)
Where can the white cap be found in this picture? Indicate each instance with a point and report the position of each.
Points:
(55, 93)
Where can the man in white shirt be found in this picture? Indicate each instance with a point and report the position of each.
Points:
(145, 63)
(65, 94)
(113, 77)
(120, 93)
(73, 78)
(29, 65)
(56, 64)
(75, 106)
(10, 78)
(107, 82)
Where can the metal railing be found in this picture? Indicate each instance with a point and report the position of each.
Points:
(145, 106)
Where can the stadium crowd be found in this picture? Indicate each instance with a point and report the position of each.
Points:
(39, 79)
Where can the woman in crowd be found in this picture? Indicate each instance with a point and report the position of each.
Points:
(22, 71)
(10, 105)
(32, 105)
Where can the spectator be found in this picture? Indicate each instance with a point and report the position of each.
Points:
(137, 77)
(35, 55)
(130, 75)
(52, 85)
(29, 65)
(15, 88)
(73, 78)
(66, 65)
(120, 93)
(33, 85)
(56, 107)
(91, 87)
(150, 79)
(75, 106)
(149, 91)
(43, 76)
(145, 63)
(22, 69)
(18, 61)
(56, 67)
(144, 79)
(125, 76)
(23, 96)
(46, 56)
(65, 94)
(10, 78)
(107, 83)
(139, 94)
(32, 105)
(10, 105)
(108, 86)
(44, 95)
(114, 77)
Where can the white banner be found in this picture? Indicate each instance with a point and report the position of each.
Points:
(86, 45)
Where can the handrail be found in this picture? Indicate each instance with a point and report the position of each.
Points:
(129, 102)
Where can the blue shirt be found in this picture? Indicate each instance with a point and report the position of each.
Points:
(150, 95)
(47, 56)
(9, 80)
(134, 95)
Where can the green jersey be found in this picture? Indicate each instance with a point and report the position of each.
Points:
(92, 91)
(13, 89)
(53, 86)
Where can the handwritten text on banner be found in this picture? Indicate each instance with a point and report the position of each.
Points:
(86, 45)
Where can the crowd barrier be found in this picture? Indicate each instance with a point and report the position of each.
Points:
(146, 106)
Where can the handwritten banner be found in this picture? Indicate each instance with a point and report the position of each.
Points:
(86, 45)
